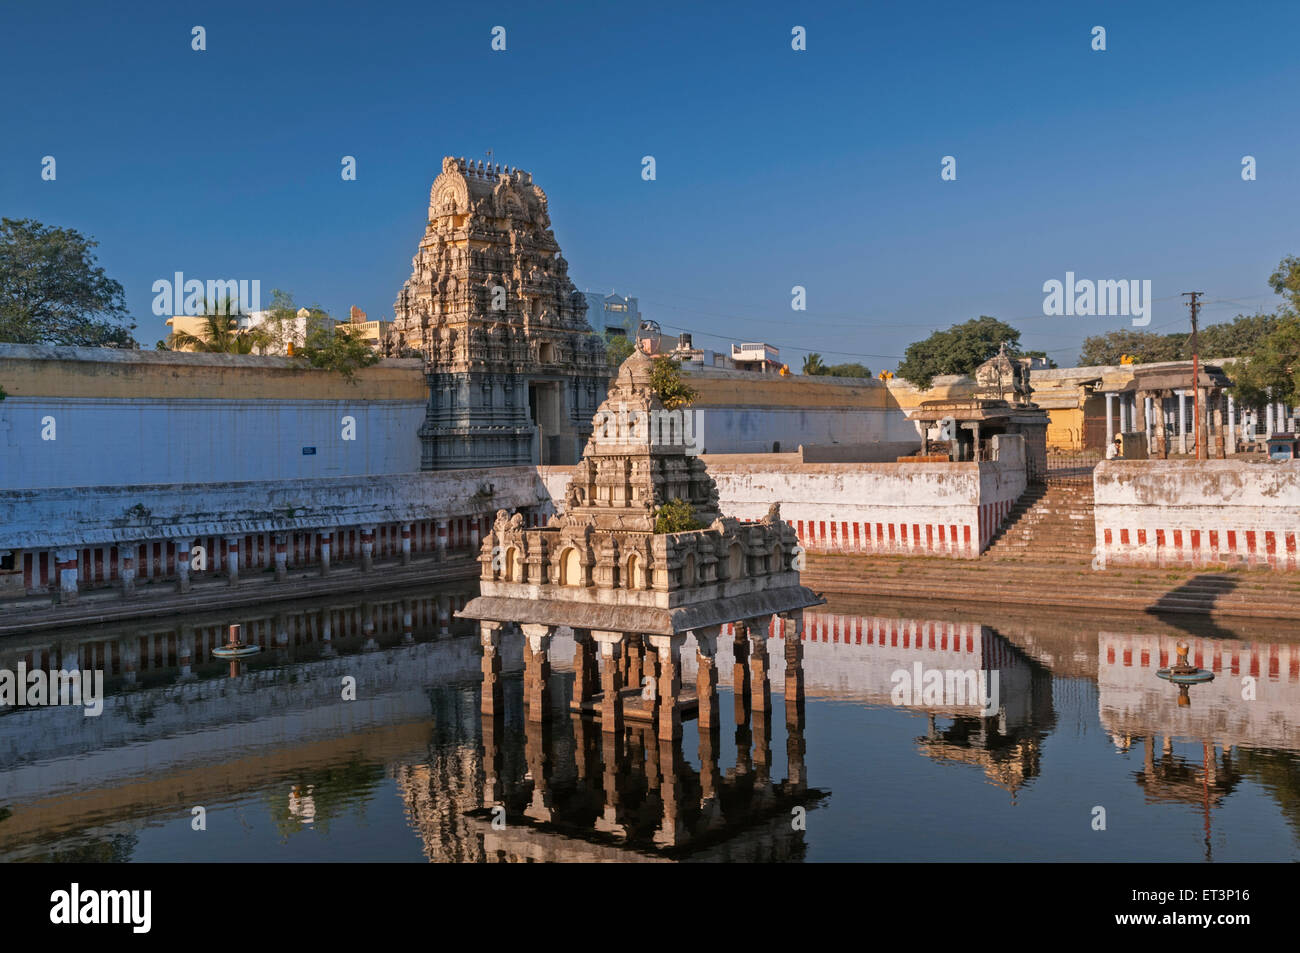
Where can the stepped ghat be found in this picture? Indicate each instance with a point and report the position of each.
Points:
(514, 370)
(602, 570)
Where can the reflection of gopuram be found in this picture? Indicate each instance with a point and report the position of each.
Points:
(601, 570)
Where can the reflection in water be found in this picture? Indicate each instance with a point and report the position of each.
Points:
(625, 792)
(289, 770)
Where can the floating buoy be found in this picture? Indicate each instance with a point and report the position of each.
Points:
(235, 648)
(1183, 672)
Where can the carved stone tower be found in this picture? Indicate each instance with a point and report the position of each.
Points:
(515, 372)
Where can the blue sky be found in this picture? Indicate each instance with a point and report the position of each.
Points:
(775, 168)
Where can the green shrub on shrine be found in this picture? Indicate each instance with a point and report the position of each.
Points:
(676, 516)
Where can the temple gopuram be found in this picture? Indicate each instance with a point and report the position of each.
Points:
(514, 370)
(601, 569)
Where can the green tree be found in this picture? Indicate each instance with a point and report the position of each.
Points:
(618, 348)
(1286, 282)
(666, 381)
(812, 364)
(847, 370)
(1142, 346)
(1235, 338)
(53, 292)
(958, 350)
(336, 348)
(1272, 368)
(676, 516)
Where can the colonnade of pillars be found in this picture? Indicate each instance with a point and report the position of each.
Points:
(227, 560)
(1174, 430)
(607, 662)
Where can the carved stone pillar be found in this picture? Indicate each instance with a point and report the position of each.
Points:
(740, 673)
(367, 548)
(760, 687)
(669, 688)
(326, 539)
(537, 670)
(611, 701)
(183, 552)
(795, 744)
(65, 561)
(232, 559)
(585, 673)
(281, 557)
(126, 569)
(490, 637)
(706, 677)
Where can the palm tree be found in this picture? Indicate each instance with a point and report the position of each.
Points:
(812, 364)
(221, 333)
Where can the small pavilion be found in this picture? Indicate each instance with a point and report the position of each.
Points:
(632, 595)
(1000, 405)
(1159, 398)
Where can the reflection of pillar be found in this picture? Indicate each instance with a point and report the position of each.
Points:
(444, 615)
(537, 670)
(537, 752)
(611, 753)
(326, 631)
(408, 629)
(795, 746)
(585, 674)
(185, 651)
(406, 544)
(232, 559)
(669, 688)
(672, 831)
(128, 650)
(367, 548)
(183, 551)
(493, 786)
(369, 644)
(586, 746)
(65, 560)
(490, 637)
(611, 702)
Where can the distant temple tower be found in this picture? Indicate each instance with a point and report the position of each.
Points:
(515, 372)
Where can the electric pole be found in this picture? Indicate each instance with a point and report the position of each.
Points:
(1194, 305)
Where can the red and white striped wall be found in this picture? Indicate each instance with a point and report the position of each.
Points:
(929, 538)
(1170, 546)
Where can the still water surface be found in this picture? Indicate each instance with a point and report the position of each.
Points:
(286, 770)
